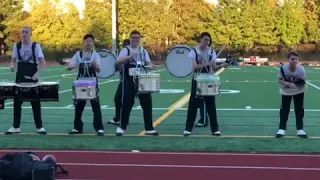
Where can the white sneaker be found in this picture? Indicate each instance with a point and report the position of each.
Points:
(41, 131)
(217, 133)
(13, 130)
(119, 131)
(152, 132)
(302, 134)
(186, 133)
(280, 133)
(100, 132)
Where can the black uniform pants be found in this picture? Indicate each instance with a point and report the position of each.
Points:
(129, 92)
(97, 116)
(203, 113)
(194, 103)
(36, 109)
(117, 102)
(298, 109)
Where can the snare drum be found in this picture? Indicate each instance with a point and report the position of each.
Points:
(27, 91)
(8, 90)
(48, 91)
(85, 89)
(207, 85)
(149, 83)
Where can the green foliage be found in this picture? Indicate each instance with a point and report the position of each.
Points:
(243, 25)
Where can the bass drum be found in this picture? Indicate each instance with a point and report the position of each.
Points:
(177, 62)
(108, 64)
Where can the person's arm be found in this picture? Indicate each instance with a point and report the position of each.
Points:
(123, 58)
(42, 60)
(282, 81)
(97, 62)
(74, 62)
(195, 65)
(148, 61)
(303, 73)
(13, 64)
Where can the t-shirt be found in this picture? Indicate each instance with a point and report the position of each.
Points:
(300, 73)
(26, 53)
(203, 56)
(86, 57)
(292, 77)
(137, 54)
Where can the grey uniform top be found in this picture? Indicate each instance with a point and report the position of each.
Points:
(293, 77)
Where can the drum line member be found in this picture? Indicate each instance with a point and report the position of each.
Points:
(87, 55)
(128, 57)
(117, 96)
(292, 77)
(201, 61)
(28, 62)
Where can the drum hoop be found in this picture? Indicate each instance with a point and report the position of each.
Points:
(184, 47)
(109, 52)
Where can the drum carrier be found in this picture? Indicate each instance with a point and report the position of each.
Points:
(85, 86)
(147, 82)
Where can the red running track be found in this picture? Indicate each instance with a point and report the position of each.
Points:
(102, 165)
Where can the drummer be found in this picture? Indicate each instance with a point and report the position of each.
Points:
(117, 96)
(128, 57)
(87, 55)
(28, 62)
(202, 56)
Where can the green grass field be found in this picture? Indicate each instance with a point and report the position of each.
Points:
(248, 114)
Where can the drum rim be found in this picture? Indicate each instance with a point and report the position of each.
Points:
(179, 46)
(98, 74)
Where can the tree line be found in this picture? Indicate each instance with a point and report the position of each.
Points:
(268, 26)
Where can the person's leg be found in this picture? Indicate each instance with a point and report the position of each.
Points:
(299, 112)
(203, 122)
(97, 116)
(146, 105)
(212, 111)
(127, 102)
(192, 114)
(117, 103)
(78, 124)
(284, 115)
(16, 117)
(36, 108)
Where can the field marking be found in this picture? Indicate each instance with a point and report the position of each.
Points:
(179, 104)
(106, 107)
(68, 90)
(167, 135)
(163, 153)
(313, 85)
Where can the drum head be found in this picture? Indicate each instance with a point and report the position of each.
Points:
(108, 62)
(177, 62)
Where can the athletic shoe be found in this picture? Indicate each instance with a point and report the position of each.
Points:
(113, 122)
(201, 125)
(41, 131)
(120, 132)
(74, 131)
(13, 130)
(186, 133)
(100, 132)
(280, 133)
(217, 133)
(301, 134)
(152, 133)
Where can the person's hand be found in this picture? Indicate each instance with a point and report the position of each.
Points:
(292, 85)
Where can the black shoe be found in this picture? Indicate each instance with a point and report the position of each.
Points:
(279, 135)
(304, 136)
(100, 133)
(114, 122)
(42, 131)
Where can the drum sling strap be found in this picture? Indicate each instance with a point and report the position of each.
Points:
(26, 68)
(299, 81)
(33, 47)
(282, 73)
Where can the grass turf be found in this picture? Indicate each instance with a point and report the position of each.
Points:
(248, 120)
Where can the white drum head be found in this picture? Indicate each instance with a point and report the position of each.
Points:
(177, 62)
(108, 62)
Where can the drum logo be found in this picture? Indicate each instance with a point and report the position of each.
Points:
(179, 51)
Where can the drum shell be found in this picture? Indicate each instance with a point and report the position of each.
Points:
(49, 92)
(148, 84)
(208, 87)
(8, 92)
(27, 94)
(87, 92)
